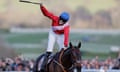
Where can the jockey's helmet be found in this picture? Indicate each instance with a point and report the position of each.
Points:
(64, 16)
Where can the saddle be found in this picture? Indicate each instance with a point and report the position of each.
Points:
(50, 58)
(38, 63)
(40, 60)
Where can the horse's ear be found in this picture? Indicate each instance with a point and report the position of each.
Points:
(70, 44)
(79, 44)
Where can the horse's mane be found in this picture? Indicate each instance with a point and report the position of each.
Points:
(56, 56)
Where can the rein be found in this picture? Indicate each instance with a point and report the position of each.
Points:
(60, 63)
(60, 57)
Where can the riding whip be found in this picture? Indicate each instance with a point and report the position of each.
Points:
(29, 2)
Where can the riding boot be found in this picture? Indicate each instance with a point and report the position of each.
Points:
(43, 66)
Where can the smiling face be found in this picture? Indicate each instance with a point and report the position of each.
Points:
(61, 22)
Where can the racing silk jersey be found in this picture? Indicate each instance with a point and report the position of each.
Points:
(56, 27)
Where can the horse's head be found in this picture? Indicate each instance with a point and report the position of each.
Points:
(75, 54)
(71, 57)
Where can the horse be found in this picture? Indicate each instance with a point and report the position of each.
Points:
(66, 60)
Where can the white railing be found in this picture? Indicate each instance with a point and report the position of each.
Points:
(85, 70)
(88, 31)
(94, 70)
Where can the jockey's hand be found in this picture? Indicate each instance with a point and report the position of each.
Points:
(41, 4)
(65, 47)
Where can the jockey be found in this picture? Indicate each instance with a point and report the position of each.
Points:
(59, 32)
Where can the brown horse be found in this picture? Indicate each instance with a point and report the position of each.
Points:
(64, 61)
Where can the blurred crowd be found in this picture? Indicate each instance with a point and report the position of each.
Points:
(21, 64)
(16, 64)
(106, 64)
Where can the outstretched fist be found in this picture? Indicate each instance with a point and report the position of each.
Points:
(41, 4)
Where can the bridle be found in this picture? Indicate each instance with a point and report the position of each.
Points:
(59, 62)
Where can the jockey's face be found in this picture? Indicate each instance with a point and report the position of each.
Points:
(61, 22)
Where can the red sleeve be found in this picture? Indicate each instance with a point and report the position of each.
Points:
(46, 12)
(66, 36)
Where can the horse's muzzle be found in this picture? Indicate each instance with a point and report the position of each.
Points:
(77, 63)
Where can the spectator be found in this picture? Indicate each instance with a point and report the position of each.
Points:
(20, 64)
(117, 64)
(20, 67)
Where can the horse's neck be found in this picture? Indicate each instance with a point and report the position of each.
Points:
(66, 60)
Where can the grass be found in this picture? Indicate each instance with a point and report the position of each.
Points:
(30, 50)
(102, 56)
(92, 44)
(109, 40)
(27, 38)
(103, 39)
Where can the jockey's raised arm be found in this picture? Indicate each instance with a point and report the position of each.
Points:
(59, 31)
